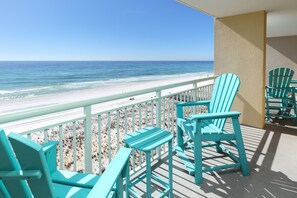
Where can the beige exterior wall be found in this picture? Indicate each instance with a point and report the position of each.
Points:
(240, 49)
(282, 52)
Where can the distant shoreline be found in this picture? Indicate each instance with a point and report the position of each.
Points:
(80, 86)
(29, 79)
(108, 89)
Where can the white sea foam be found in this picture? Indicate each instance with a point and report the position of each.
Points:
(33, 91)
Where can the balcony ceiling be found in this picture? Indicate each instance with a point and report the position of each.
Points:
(281, 14)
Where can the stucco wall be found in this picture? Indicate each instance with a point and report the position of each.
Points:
(282, 52)
(240, 49)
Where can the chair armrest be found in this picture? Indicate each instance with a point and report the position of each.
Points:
(195, 103)
(180, 105)
(46, 147)
(20, 175)
(290, 88)
(294, 81)
(210, 116)
(114, 170)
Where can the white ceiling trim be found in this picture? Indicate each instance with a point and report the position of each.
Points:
(281, 14)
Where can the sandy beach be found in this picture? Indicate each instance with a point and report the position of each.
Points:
(21, 104)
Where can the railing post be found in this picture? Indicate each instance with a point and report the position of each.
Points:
(158, 109)
(195, 96)
(158, 117)
(195, 91)
(88, 139)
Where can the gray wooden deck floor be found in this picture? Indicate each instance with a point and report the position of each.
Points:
(272, 153)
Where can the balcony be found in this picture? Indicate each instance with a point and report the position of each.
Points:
(91, 131)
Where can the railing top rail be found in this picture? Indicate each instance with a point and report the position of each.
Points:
(18, 115)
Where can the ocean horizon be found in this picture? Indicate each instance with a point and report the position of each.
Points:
(22, 79)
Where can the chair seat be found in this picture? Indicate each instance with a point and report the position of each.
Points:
(74, 178)
(147, 139)
(209, 131)
(271, 96)
(62, 190)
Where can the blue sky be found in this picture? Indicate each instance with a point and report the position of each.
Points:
(104, 30)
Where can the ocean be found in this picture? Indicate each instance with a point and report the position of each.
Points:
(20, 79)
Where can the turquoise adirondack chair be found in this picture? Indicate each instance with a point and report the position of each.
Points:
(280, 96)
(24, 172)
(209, 127)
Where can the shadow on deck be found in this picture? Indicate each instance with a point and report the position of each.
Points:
(272, 153)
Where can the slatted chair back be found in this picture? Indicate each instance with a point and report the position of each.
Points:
(31, 157)
(223, 95)
(279, 80)
(8, 162)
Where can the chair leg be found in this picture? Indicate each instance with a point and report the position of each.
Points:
(295, 111)
(198, 162)
(267, 109)
(180, 140)
(148, 174)
(218, 148)
(240, 146)
(127, 179)
(119, 187)
(198, 153)
(170, 168)
(294, 105)
(286, 103)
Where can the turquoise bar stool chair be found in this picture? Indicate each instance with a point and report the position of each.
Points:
(24, 172)
(146, 140)
(280, 95)
(207, 129)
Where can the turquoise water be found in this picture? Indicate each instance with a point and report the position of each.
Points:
(27, 78)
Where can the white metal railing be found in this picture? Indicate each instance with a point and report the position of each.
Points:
(88, 139)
